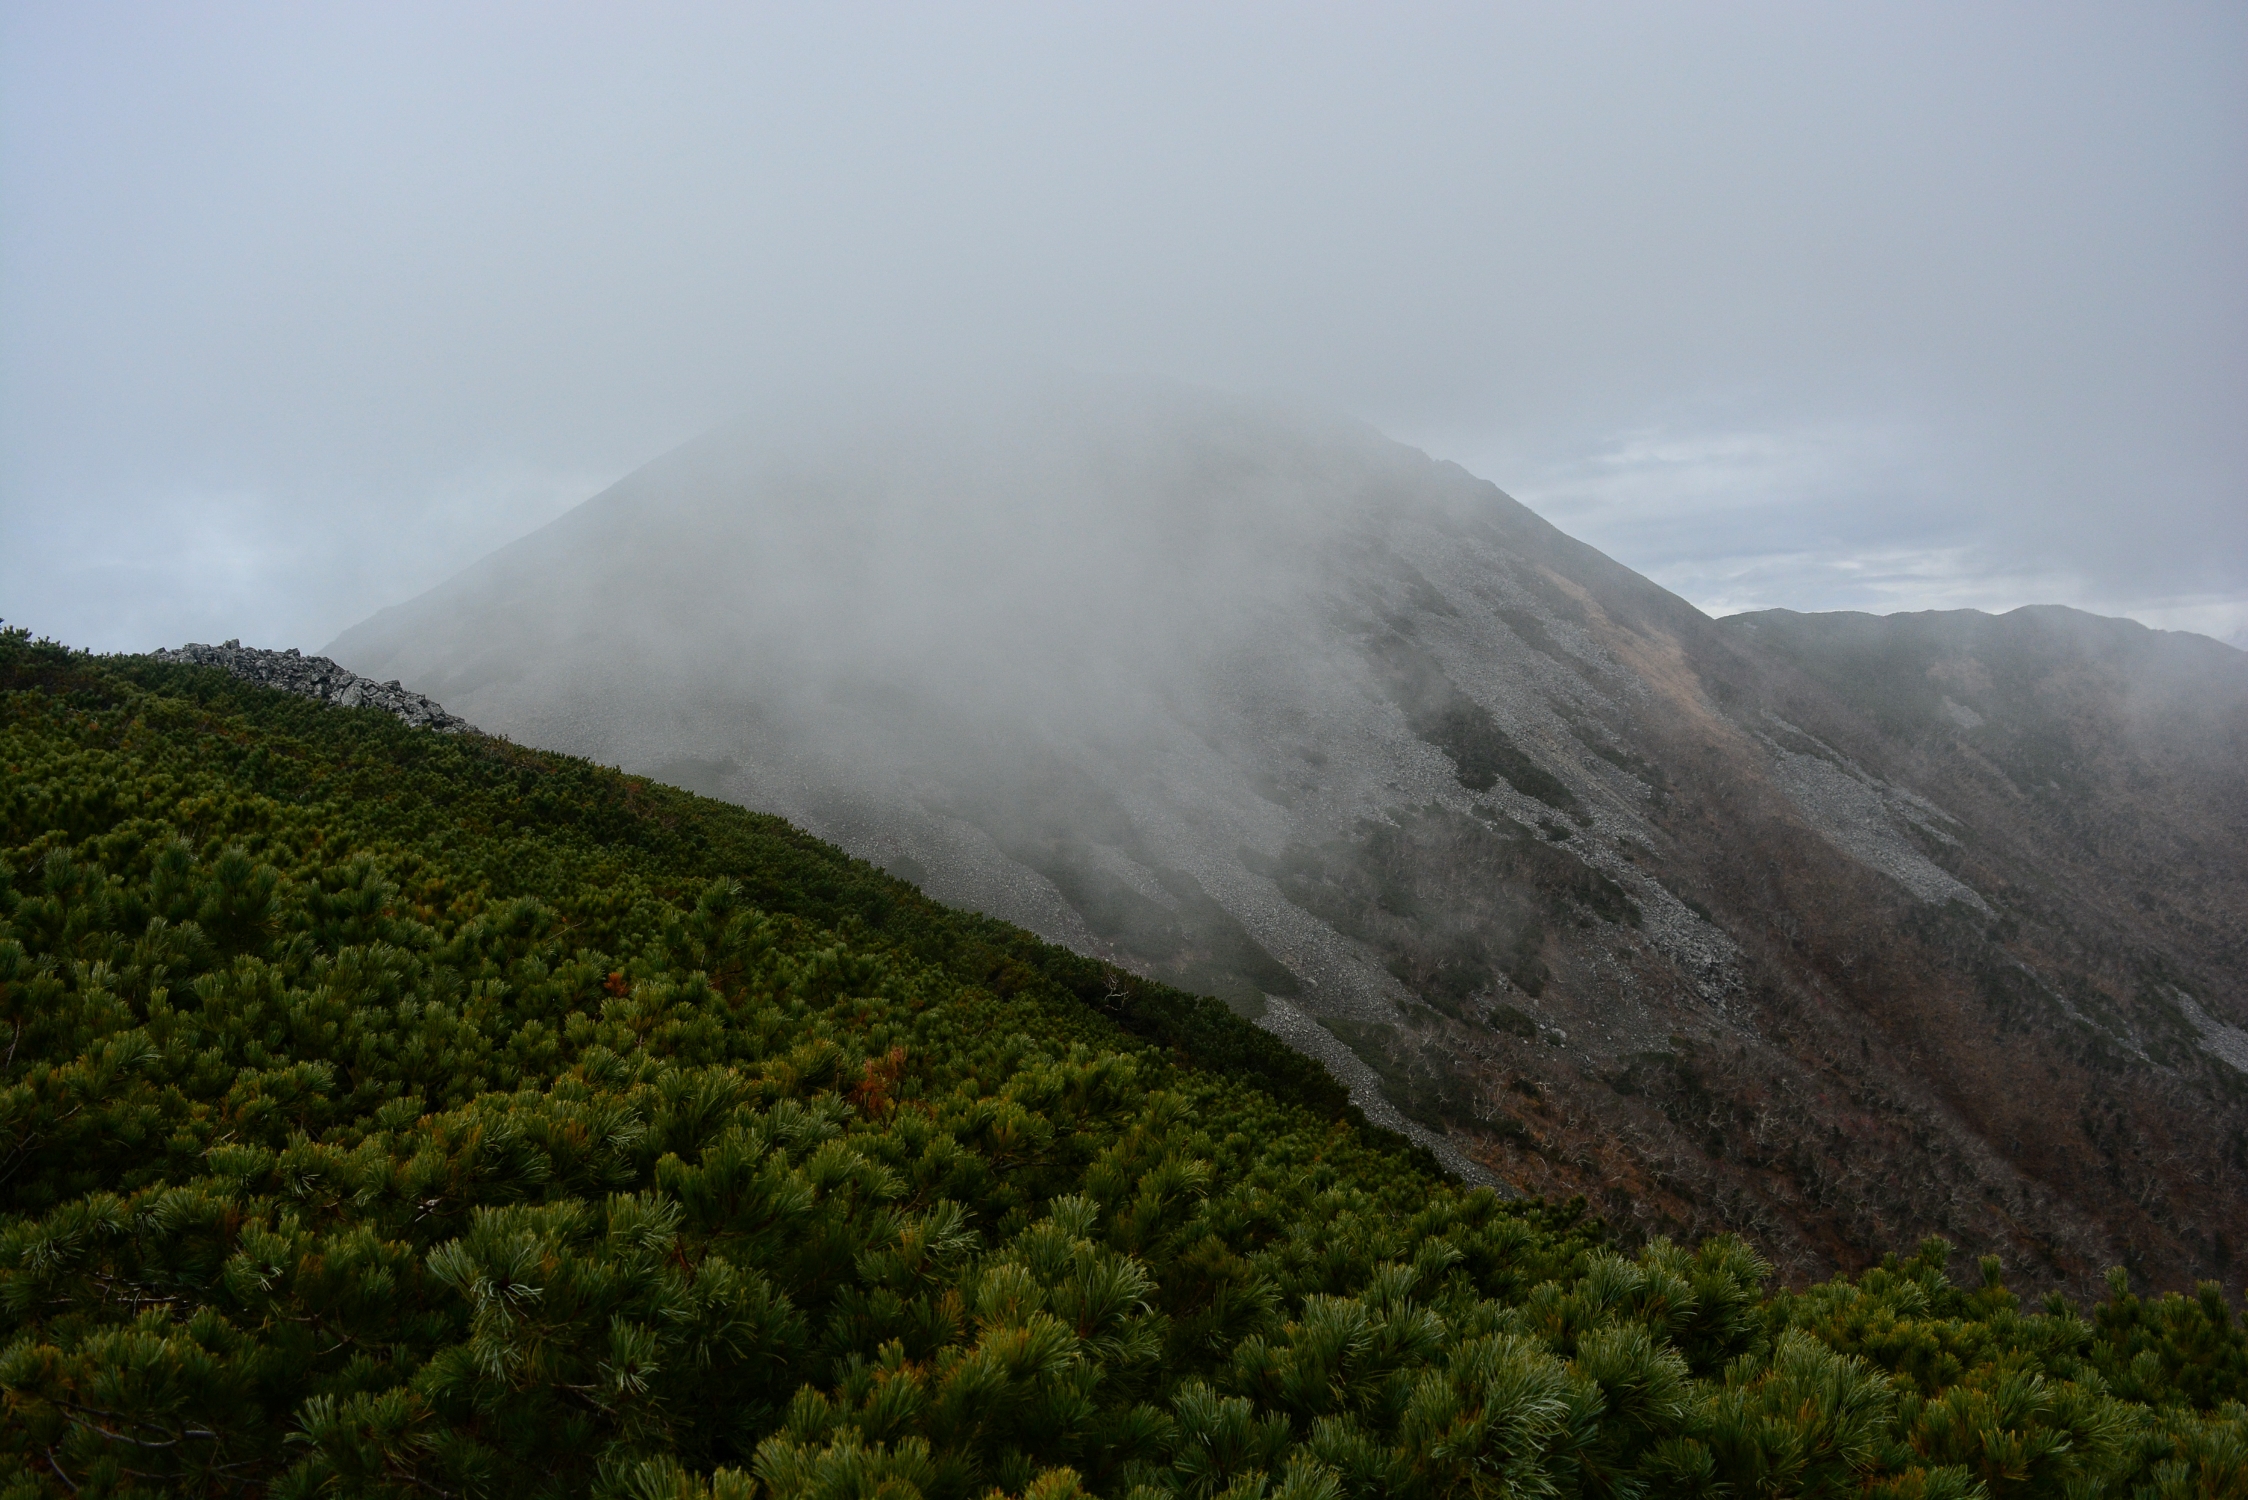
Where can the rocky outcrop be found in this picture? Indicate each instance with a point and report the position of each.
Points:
(318, 677)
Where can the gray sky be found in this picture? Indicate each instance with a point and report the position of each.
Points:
(303, 308)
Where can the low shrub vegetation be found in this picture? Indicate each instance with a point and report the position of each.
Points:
(393, 1113)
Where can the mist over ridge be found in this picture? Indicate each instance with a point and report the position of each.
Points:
(1028, 542)
(1583, 889)
(952, 844)
(1033, 641)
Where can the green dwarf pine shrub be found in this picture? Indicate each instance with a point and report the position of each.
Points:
(386, 1113)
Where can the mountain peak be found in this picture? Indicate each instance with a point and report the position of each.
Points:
(1583, 889)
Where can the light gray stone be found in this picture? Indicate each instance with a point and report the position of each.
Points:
(318, 677)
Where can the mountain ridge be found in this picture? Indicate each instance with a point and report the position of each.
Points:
(1580, 887)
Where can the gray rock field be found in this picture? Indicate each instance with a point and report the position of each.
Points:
(318, 677)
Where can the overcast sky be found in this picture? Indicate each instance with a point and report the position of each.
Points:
(302, 308)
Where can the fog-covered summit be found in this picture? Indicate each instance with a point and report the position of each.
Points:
(1061, 649)
(1059, 549)
(1586, 890)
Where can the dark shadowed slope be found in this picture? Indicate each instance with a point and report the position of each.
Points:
(1574, 883)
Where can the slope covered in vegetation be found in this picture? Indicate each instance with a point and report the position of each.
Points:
(391, 1113)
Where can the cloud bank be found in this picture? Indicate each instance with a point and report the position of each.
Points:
(1881, 308)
